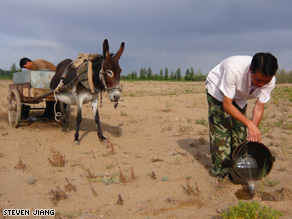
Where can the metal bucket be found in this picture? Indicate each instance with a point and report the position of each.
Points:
(252, 160)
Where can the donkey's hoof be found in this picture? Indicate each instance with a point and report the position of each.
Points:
(76, 142)
(102, 138)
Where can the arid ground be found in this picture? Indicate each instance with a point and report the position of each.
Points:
(155, 162)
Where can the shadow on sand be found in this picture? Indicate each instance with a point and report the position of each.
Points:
(199, 151)
(36, 121)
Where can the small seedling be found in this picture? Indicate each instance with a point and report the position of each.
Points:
(202, 140)
(153, 175)
(20, 165)
(90, 175)
(120, 200)
(133, 176)
(123, 179)
(93, 190)
(167, 128)
(110, 145)
(154, 160)
(58, 159)
(190, 190)
(199, 154)
(170, 200)
(92, 154)
(180, 153)
(69, 187)
(282, 169)
(192, 145)
(263, 174)
(57, 195)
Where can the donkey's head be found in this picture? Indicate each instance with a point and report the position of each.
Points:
(111, 71)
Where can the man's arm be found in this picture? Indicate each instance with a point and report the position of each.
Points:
(253, 131)
(258, 112)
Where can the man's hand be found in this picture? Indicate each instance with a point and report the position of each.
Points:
(254, 133)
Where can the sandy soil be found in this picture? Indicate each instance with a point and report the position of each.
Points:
(154, 164)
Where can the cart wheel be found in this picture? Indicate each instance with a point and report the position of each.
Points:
(14, 108)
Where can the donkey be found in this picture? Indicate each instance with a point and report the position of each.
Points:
(105, 76)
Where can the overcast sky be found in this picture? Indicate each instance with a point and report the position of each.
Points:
(157, 33)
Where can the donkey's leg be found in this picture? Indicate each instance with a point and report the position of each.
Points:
(94, 104)
(63, 116)
(65, 109)
(67, 112)
(78, 121)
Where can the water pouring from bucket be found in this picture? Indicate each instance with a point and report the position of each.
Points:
(251, 161)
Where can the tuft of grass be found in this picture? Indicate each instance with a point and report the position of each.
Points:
(110, 166)
(123, 113)
(202, 121)
(110, 180)
(250, 210)
(164, 179)
(30, 180)
(184, 129)
(271, 183)
(287, 126)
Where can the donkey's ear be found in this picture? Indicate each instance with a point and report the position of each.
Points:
(105, 48)
(120, 52)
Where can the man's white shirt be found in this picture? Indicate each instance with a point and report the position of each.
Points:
(232, 78)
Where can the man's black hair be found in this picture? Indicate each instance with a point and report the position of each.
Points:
(23, 62)
(265, 63)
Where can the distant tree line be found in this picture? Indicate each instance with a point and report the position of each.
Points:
(8, 73)
(165, 75)
(282, 75)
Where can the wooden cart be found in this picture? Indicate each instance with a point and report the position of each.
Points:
(29, 87)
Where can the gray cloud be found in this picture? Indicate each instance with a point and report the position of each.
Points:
(157, 34)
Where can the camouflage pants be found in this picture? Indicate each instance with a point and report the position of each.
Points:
(225, 134)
